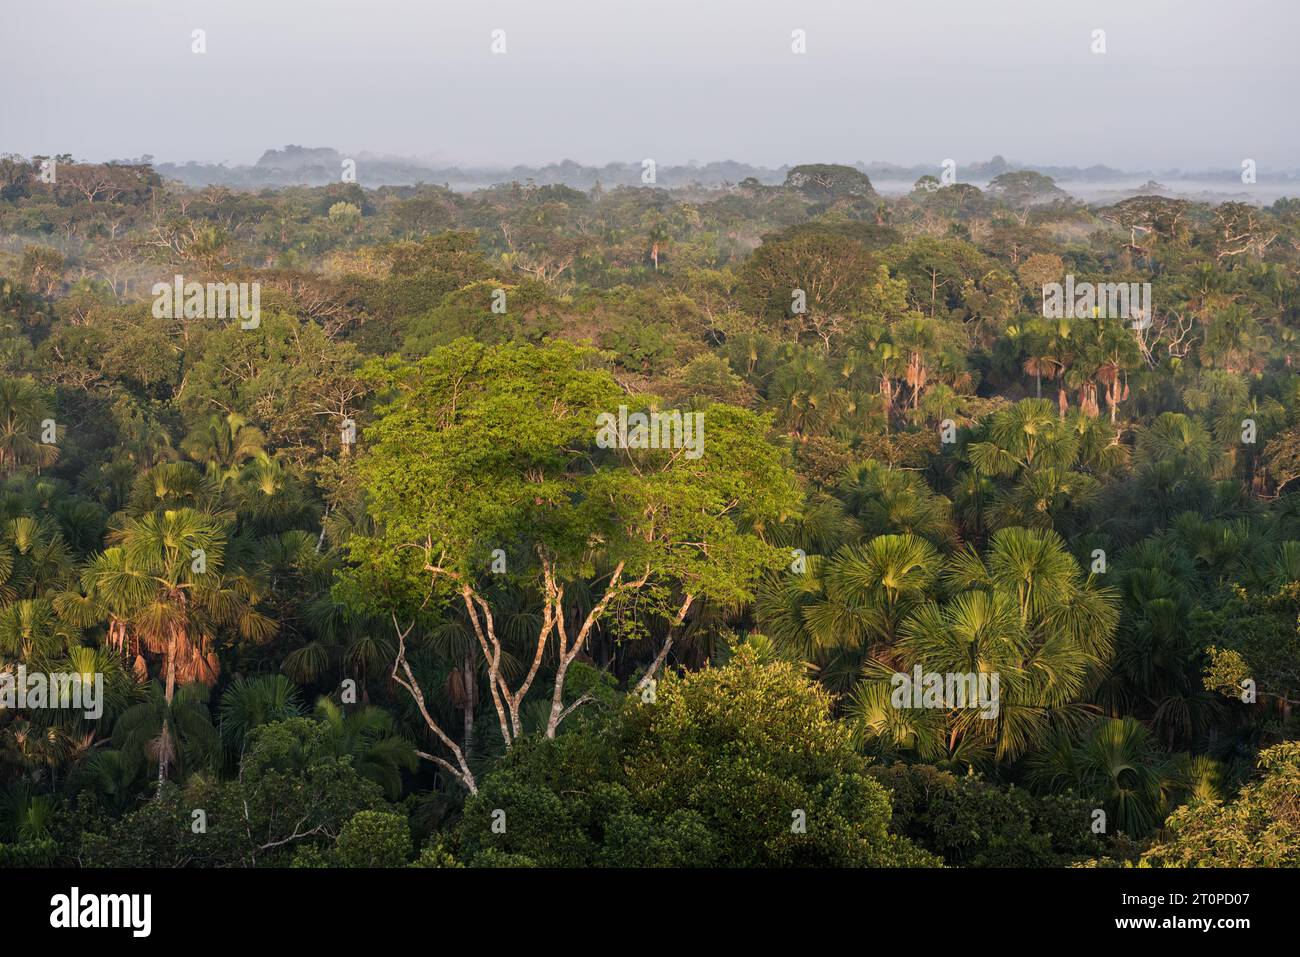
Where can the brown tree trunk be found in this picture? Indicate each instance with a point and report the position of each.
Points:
(169, 692)
(471, 687)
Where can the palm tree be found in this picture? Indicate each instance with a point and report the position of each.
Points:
(1156, 674)
(368, 734)
(121, 690)
(972, 498)
(847, 606)
(1041, 497)
(1052, 459)
(114, 776)
(882, 579)
(176, 485)
(1057, 352)
(1179, 440)
(223, 445)
(1233, 338)
(886, 500)
(804, 395)
(269, 496)
(38, 557)
(1266, 415)
(24, 413)
(658, 237)
(1023, 611)
(172, 727)
(337, 640)
(161, 588)
(30, 631)
(917, 339)
(1107, 352)
(1117, 765)
(1030, 340)
(250, 702)
(975, 633)
(1026, 435)
(25, 815)
(82, 523)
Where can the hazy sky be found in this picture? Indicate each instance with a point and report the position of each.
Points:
(1188, 84)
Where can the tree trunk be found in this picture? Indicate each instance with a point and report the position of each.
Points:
(471, 687)
(668, 643)
(557, 697)
(567, 651)
(168, 693)
(405, 677)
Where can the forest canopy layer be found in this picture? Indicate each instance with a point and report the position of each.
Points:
(754, 525)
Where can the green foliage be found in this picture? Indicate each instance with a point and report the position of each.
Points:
(40, 853)
(369, 839)
(971, 822)
(389, 499)
(293, 788)
(719, 770)
(1261, 828)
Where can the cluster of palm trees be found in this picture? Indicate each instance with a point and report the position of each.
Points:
(1073, 565)
(202, 561)
(883, 375)
(1089, 358)
(1021, 609)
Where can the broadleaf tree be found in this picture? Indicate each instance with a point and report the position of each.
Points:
(483, 470)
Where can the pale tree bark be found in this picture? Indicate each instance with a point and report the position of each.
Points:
(569, 651)
(668, 643)
(515, 700)
(403, 675)
(508, 702)
(485, 632)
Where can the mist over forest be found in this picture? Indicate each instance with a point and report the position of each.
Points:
(307, 166)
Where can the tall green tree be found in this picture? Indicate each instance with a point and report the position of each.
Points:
(495, 450)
